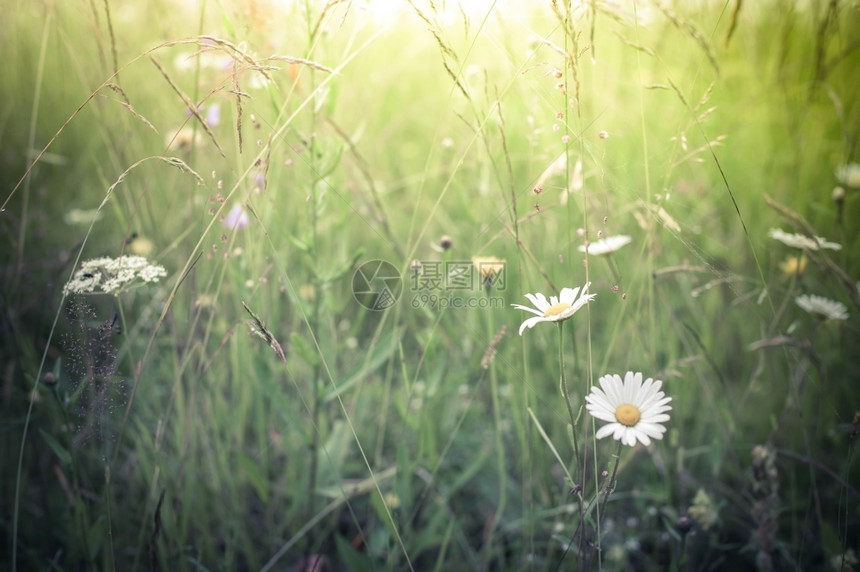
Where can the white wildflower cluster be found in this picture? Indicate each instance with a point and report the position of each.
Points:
(802, 241)
(112, 275)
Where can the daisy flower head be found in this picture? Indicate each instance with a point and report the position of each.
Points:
(605, 245)
(801, 240)
(830, 309)
(849, 174)
(635, 409)
(557, 308)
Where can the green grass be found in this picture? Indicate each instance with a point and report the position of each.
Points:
(246, 412)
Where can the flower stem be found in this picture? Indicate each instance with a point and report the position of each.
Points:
(564, 391)
(611, 486)
(500, 450)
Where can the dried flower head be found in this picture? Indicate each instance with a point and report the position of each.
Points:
(683, 525)
(183, 139)
(489, 268)
(838, 195)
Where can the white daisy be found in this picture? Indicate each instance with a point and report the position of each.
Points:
(635, 410)
(828, 308)
(801, 240)
(605, 245)
(557, 308)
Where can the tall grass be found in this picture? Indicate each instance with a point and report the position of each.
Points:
(248, 412)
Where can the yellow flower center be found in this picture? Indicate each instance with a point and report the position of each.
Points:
(556, 309)
(627, 415)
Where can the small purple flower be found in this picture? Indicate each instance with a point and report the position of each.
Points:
(237, 218)
(213, 115)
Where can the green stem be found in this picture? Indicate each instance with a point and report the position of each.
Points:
(317, 282)
(681, 550)
(564, 391)
(601, 508)
(611, 486)
(500, 450)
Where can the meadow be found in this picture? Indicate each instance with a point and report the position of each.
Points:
(265, 269)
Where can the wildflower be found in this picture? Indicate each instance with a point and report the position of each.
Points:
(838, 195)
(844, 562)
(112, 275)
(849, 174)
(830, 309)
(683, 525)
(237, 218)
(793, 265)
(82, 217)
(556, 309)
(258, 81)
(704, 510)
(139, 245)
(605, 245)
(307, 292)
(635, 410)
(213, 115)
(490, 268)
(802, 241)
(183, 139)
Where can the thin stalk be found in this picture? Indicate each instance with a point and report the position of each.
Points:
(682, 549)
(601, 508)
(315, 312)
(109, 556)
(564, 390)
(611, 486)
(566, 396)
(81, 514)
(500, 450)
(31, 138)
